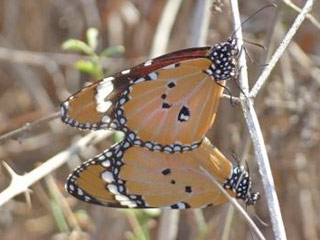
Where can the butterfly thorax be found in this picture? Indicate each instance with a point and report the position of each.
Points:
(240, 183)
(223, 55)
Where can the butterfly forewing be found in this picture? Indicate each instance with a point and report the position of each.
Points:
(132, 176)
(81, 109)
(177, 109)
(165, 104)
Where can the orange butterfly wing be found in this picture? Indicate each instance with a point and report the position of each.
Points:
(176, 110)
(165, 104)
(131, 176)
(81, 109)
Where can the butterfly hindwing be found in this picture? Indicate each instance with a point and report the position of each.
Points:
(132, 176)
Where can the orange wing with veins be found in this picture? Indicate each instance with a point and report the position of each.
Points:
(166, 104)
(135, 177)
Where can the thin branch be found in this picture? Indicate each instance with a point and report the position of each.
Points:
(162, 34)
(28, 126)
(168, 226)
(235, 204)
(42, 58)
(257, 138)
(311, 18)
(282, 47)
(201, 22)
(21, 183)
(228, 223)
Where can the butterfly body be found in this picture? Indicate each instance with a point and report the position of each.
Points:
(131, 176)
(165, 104)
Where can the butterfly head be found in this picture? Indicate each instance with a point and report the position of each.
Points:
(240, 183)
(223, 55)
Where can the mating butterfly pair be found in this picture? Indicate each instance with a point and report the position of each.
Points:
(165, 107)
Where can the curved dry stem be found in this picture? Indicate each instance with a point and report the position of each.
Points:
(162, 34)
(282, 47)
(200, 25)
(254, 228)
(257, 137)
(311, 18)
(29, 126)
(20, 183)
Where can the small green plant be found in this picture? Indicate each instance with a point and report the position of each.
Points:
(140, 220)
(92, 66)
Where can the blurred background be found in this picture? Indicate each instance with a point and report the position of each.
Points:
(40, 66)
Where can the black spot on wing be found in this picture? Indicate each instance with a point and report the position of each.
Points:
(184, 114)
(171, 85)
(166, 105)
(166, 171)
(188, 189)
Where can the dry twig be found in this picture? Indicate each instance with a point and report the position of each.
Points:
(256, 135)
(311, 18)
(252, 120)
(236, 204)
(282, 47)
(20, 183)
(162, 34)
(28, 126)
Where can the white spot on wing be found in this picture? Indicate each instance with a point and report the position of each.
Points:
(63, 110)
(153, 76)
(129, 203)
(106, 119)
(121, 198)
(113, 189)
(169, 66)
(125, 71)
(80, 192)
(107, 176)
(107, 79)
(103, 106)
(106, 163)
(139, 80)
(177, 148)
(148, 63)
(103, 91)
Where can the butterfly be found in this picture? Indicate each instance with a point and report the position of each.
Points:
(130, 176)
(164, 104)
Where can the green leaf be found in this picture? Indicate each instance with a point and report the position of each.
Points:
(113, 51)
(86, 66)
(92, 38)
(78, 46)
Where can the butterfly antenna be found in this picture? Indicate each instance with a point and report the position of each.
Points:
(254, 14)
(255, 44)
(236, 80)
(248, 169)
(249, 56)
(263, 223)
(235, 158)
